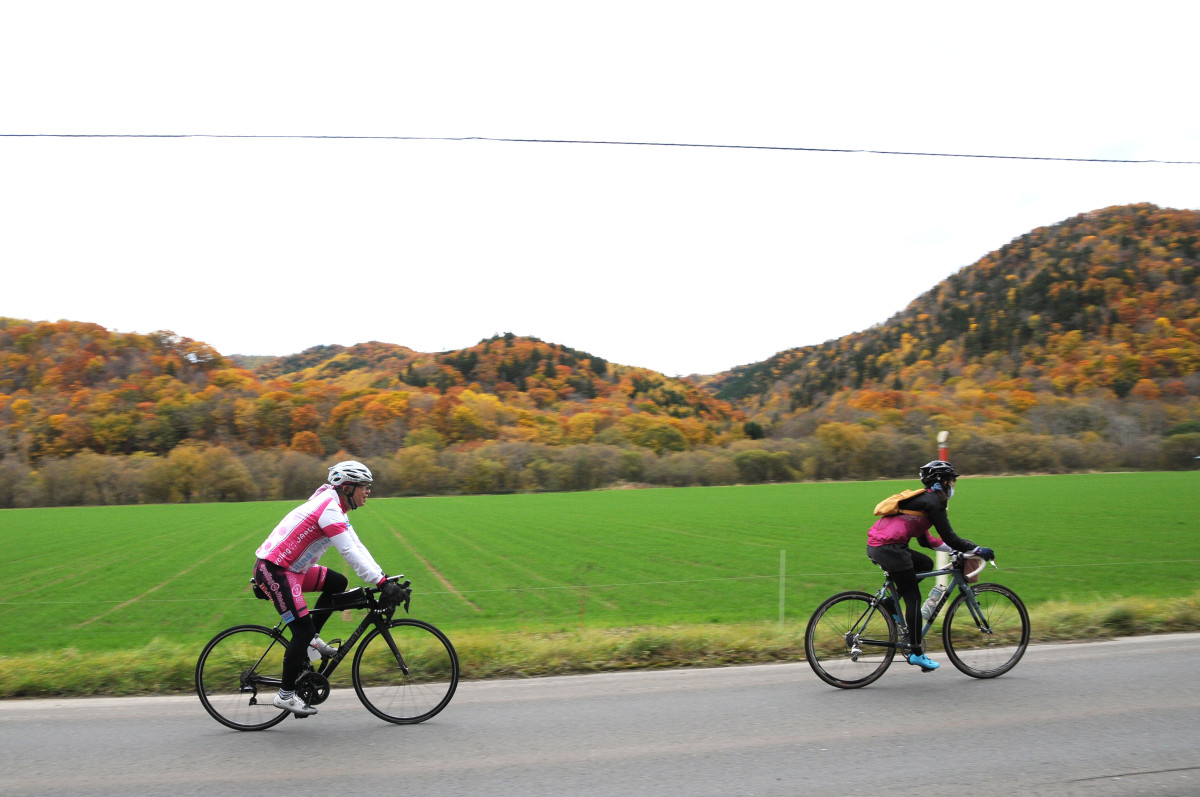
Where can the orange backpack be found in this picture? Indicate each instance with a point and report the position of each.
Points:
(891, 504)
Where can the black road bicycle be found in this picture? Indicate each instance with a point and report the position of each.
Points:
(851, 639)
(405, 671)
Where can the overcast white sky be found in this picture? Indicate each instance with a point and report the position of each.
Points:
(684, 260)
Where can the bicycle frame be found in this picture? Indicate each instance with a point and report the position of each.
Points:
(958, 584)
(375, 618)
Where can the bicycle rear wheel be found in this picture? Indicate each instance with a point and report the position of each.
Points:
(238, 674)
(411, 683)
(996, 649)
(849, 643)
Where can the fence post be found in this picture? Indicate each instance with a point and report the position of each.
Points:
(782, 581)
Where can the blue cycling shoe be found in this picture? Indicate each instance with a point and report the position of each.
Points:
(924, 662)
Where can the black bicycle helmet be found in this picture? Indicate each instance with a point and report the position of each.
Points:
(935, 472)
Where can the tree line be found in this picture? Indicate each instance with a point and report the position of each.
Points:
(198, 472)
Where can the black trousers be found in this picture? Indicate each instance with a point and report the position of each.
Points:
(903, 564)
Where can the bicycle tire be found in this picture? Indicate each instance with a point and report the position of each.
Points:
(237, 676)
(979, 654)
(413, 689)
(848, 642)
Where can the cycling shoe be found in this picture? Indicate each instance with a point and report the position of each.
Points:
(924, 662)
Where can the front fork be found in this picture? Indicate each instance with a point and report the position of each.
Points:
(387, 635)
(977, 615)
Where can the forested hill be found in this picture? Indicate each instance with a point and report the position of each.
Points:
(514, 368)
(71, 386)
(1106, 300)
(1075, 346)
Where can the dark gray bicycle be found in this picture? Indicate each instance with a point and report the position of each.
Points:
(851, 640)
(405, 671)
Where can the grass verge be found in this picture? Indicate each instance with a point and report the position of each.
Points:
(164, 668)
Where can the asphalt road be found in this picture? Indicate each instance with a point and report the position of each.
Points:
(1111, 718)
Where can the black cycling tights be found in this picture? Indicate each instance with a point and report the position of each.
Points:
(906, 585)
(307, 627)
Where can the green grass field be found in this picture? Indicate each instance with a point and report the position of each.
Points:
(117, 578)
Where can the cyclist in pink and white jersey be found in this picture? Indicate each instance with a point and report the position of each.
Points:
(287, 567)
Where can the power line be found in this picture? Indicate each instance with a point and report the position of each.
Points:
(907, 153)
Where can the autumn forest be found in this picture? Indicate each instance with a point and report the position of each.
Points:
(1074, 347)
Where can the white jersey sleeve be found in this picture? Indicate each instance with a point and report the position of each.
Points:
(357, 555)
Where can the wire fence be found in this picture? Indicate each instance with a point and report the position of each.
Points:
(427, 593)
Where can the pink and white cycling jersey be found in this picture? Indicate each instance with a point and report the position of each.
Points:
(306, 533)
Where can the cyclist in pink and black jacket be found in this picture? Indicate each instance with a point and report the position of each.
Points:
(920, 516)
(287, 567)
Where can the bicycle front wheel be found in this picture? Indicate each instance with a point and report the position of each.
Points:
(238, 675)
(993, 644)
(405, 673)
(849, 642)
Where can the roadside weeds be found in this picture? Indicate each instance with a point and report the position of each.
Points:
(164, 667)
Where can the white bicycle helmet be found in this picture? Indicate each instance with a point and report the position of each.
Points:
(350, 472)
